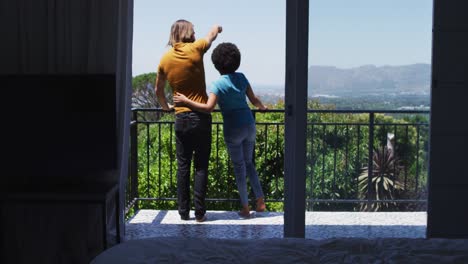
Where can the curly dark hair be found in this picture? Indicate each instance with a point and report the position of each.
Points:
(226, 58)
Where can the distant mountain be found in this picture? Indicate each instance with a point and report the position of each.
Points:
(369, 80)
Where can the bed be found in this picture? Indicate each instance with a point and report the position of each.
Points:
(286, 250)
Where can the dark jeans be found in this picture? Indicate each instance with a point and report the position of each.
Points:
(193, 138)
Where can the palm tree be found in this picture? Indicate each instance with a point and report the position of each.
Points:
(384, 180)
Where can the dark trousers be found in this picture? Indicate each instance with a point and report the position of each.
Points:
(193, 138)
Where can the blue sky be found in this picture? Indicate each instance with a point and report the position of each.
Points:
(342, 33)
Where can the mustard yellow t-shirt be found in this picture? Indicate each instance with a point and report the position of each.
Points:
(183, 67)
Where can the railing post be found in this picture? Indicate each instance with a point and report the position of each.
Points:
(370, 166)
(134, 158)
(254, 113)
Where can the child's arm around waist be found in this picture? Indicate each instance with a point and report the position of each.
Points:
(182, 100)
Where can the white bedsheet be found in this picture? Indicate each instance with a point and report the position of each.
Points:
(287, 250)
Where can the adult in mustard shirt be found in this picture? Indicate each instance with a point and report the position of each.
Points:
(182, 66)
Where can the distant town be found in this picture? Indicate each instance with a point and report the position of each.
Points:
(404, 87)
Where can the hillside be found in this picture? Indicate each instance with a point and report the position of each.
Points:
(370, 80)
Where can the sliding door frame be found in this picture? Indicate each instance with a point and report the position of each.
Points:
(297, 38)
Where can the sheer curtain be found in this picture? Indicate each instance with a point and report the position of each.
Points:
(59, 36)
(124, 93)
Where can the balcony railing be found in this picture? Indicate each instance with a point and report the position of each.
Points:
(340, 175)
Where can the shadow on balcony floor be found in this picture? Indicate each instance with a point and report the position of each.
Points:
(319, 225)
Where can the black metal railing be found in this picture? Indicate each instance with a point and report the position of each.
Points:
(339, 144)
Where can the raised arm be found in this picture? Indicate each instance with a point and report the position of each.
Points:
(159, 91)
(182, 100)
(254, 99)
(211, 36)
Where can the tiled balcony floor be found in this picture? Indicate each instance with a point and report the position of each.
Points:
(319, 225)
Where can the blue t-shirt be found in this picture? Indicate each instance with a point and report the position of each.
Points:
(231, 92)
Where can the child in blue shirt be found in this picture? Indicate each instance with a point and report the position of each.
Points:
(230, 92)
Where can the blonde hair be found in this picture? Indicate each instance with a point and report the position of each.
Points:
(181, 31)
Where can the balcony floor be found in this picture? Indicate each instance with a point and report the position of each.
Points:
(319, 225)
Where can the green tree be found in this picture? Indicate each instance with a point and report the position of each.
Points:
(143, 92)
(337, 153)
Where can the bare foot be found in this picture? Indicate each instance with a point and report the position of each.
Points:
(244, 212)
(260, 205)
